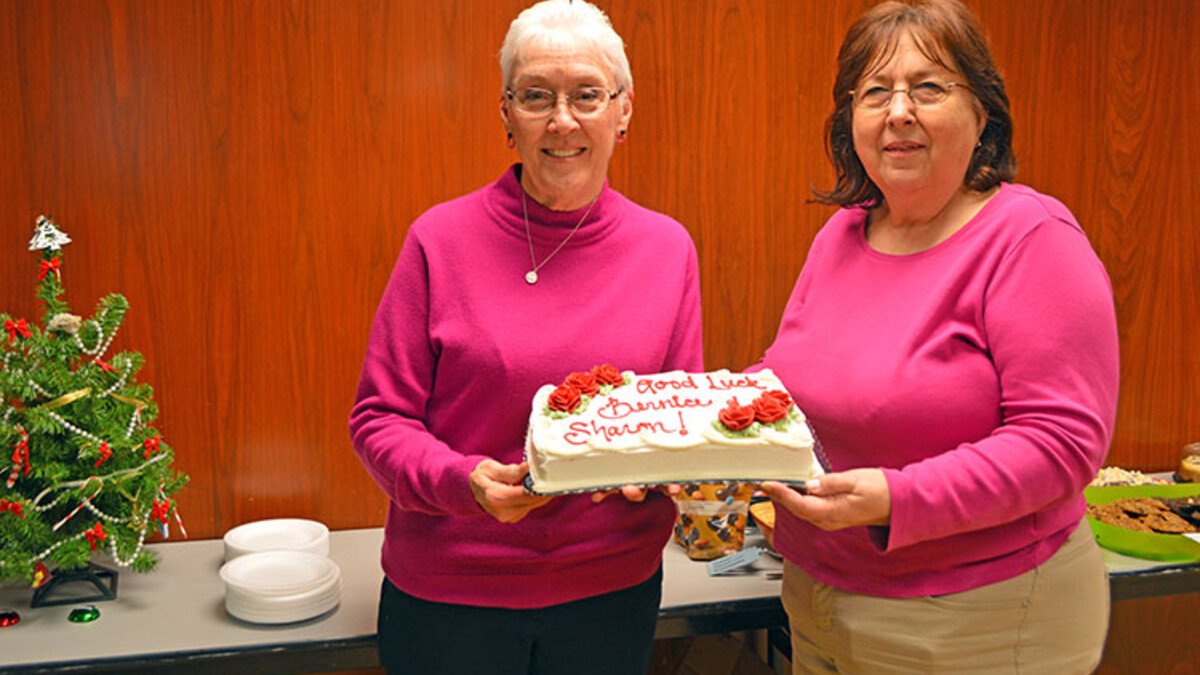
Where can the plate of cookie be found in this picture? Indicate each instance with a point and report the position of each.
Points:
(1157, 522)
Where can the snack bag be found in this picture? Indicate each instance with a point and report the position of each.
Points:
(711, 522)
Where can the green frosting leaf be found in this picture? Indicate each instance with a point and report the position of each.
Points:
(749, 432)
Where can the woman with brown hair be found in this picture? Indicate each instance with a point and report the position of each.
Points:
(953, 340)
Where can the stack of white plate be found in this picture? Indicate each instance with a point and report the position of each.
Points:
(279, 534)
(281, 586)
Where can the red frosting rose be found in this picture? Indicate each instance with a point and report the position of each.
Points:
(768, 409)
(564, 398)
(736, 417)
(782, 397)
(584, 382)
(608, 374)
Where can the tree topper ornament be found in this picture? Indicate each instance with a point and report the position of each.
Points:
(47, 235)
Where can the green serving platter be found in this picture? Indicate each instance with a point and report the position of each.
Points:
(1165, 547)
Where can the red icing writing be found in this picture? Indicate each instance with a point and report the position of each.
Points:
(615, 409)
(581, 431)
(653, 387)
(722, 384)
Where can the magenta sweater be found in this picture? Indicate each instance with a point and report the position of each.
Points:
(981, 374)
(459, 346)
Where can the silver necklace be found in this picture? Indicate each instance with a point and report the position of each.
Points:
(531, 277)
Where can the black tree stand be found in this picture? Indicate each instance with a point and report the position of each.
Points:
(102, 579)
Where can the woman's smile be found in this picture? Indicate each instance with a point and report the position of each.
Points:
(902, 147)
(564, 153)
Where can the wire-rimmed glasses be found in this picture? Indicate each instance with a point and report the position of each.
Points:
(925, 94)
(584, 102)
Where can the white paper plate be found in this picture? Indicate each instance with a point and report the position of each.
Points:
(287, 615)
(251, 597)
(310, 607)
(278, 572)
(286, 609)
(280, 534)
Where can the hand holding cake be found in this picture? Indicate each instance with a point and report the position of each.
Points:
(837, 501)
(497, 488)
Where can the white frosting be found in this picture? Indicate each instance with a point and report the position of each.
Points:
(659, 429)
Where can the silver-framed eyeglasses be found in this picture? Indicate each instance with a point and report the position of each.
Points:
(584, 102)
(925, 94)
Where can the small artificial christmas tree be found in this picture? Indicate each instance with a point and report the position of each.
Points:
(89, 472)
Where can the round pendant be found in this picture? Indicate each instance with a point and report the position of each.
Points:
(531, 277)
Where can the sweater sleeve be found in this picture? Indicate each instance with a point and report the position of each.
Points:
(387, 424)
(1050, 326)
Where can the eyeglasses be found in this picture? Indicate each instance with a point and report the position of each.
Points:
(923, 94)
(584, 102)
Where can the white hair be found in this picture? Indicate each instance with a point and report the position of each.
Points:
(566, 23)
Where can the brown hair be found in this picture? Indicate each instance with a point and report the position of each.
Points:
(946, 33)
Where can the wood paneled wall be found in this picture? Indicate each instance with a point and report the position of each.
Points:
(244, 171)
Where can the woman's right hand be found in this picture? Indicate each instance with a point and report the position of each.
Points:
(499, 491)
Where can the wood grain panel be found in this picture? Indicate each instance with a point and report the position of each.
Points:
(1093, 97)
(245, 171)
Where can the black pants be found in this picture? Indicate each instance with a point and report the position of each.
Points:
(609, 634)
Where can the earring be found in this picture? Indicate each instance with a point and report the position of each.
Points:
(621, 136)
(511, 143)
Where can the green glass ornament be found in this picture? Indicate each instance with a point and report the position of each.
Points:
(86, 614)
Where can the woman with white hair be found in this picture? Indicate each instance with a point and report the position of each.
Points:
(544, 273)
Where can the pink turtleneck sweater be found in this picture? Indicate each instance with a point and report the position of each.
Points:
(460, 344)
(981, 374)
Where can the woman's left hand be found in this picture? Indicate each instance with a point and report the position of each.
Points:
(836, 501)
